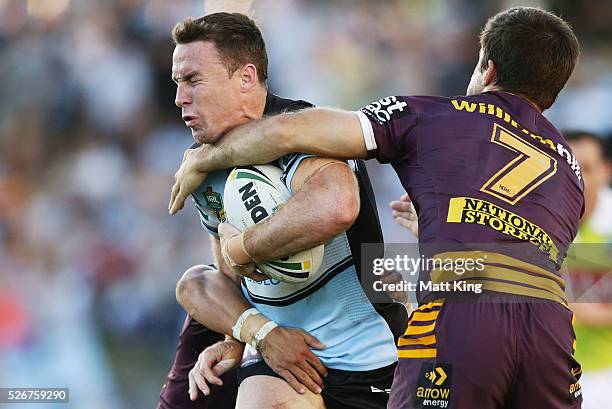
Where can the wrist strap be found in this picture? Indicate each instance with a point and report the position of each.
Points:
(240, 322)
(245, 250)
(262, 333)
(232, 263)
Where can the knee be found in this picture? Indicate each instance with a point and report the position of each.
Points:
(190, 285)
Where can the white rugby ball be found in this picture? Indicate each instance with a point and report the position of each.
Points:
(251, 195)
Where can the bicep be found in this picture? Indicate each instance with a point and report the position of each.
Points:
(310, 166)
(331, 184)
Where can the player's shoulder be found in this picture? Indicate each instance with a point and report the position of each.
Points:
(277, 105)
(396, 107)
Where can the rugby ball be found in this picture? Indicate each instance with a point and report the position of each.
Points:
(251, 195)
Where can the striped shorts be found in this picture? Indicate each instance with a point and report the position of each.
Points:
(513, 353)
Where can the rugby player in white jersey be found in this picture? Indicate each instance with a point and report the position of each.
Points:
(219, 65)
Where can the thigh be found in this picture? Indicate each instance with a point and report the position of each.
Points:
(455, 355)
(548, 375)
(264, 392)
(262, 388)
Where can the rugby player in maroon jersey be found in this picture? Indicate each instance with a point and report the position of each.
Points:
(492, 179)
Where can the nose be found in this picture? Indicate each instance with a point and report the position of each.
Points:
(182, 97)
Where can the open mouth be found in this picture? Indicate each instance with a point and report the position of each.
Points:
(189, 120)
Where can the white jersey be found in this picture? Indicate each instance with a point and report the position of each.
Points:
(331, 305)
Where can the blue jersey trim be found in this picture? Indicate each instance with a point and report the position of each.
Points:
(293, 298)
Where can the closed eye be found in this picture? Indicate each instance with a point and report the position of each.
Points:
(191, 78)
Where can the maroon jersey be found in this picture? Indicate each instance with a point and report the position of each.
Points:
(490, 177)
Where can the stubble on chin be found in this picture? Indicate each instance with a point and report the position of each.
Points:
(202, 137)
(199, 136)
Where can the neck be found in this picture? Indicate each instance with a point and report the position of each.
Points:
(255, 106)
(498, 89)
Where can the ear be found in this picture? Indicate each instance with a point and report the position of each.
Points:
(490, 74)
(248, 77)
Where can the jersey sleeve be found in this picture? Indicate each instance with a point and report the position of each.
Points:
(289, 164)
(387, 126)
(207, 220)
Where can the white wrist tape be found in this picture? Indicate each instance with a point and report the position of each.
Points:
(262, 333)
(240, 322)
(228, 258)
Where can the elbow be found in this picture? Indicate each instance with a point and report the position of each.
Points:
(343, 212)
(340, 203)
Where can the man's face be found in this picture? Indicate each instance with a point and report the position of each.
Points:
(593, 169)
(209, 98)
(477, 84)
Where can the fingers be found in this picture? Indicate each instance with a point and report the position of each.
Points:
(201, 382)
(193, 388)
(405, 215)
(409, 224)
(210, 376)
(178, 202)
(316, 364)
(402, 205)
(222, 367)
(311, 372)
(305, 379)
(226, 233)
(207, 362)
(177, 186)
(312, 358)
(312, 341)
(227, 229)
(403, 222)
(173, 193)
(288, 376)
(398, 206)
(187, 180)
(196, 380)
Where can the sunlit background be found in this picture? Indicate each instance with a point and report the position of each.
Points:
(90, 139)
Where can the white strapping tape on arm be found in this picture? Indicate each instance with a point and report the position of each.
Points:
(262, 333)
(240, 322)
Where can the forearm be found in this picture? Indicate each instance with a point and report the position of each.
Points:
(322, 132)
(324, 207)
(212, 299)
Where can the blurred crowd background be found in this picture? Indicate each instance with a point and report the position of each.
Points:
(90, 139)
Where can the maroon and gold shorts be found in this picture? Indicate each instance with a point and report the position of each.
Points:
(515, 353)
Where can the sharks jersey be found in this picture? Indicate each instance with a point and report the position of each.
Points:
(331, 305)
